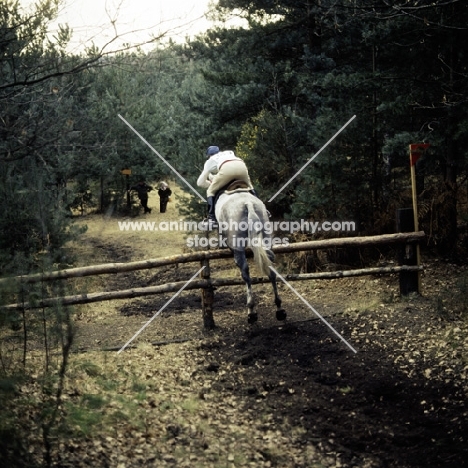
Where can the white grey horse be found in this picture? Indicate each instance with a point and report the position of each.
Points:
(242, 219)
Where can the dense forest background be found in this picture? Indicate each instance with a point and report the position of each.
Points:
(274, 92)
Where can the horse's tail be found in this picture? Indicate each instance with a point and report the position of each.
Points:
(257, 240)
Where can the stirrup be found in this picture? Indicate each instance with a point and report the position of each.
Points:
(208, 224)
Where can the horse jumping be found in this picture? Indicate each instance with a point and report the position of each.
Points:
(242, 218)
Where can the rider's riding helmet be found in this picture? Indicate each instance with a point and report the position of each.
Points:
(211, 150)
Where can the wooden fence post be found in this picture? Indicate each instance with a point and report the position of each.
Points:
(207, 294)
(408, 253)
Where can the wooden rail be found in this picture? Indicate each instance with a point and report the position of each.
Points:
(113, 268)
(199, 284)
(206, 283)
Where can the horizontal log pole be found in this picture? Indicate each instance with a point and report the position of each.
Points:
(112, 268)
(340, 242)
(198, 284)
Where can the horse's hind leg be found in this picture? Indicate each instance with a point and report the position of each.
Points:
(241, 262)
(280, 312)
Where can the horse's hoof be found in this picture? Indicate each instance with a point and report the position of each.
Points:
(252, 318)
(281, 314)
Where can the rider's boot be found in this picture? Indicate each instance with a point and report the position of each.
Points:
(210, 222)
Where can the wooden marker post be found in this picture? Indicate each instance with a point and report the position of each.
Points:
(416, 150)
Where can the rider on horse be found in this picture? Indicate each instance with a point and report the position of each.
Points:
(221, 168)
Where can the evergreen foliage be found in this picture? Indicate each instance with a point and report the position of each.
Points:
(274, 91)
(399, 67)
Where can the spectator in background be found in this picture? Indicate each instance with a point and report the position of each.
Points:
(164, 193)
(142, 189)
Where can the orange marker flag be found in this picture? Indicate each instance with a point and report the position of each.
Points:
(416, 150)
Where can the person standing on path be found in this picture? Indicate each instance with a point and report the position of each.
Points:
(164, 193)
(142, 189)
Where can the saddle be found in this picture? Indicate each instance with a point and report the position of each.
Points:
(236, 185)
(232, 187)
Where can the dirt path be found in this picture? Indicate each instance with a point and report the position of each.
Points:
(269, 395)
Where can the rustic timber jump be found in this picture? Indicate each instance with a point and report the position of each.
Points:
(112, 268)
(206, 283)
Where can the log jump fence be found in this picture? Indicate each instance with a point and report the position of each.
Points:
(205, 282)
